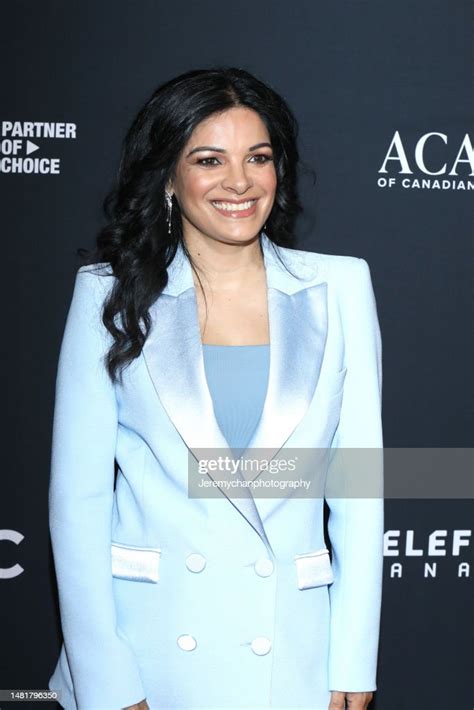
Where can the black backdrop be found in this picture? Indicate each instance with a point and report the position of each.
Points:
(383, 95)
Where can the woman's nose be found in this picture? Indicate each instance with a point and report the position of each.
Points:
(237, 178)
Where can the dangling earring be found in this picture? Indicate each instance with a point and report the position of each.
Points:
(169, 205)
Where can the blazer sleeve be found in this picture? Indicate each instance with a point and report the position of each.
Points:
(356, 523)
(104, 670)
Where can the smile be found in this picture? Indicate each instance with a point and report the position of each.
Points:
(242, 209)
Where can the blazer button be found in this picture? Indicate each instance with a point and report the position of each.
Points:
(195, 562)
(261, 645)
(264, 567)
(186, 642)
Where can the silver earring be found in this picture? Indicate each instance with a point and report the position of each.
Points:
(169, 206)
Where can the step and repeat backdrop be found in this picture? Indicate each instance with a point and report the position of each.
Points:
(383, 96)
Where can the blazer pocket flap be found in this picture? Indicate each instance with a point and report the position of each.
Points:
(140, 564)
(313, 569)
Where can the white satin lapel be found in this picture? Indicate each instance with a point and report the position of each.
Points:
(298, 331)
(174, 356)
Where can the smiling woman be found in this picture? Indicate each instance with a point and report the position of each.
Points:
(196, 330)
(236, 180)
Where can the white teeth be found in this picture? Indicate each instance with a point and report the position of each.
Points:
(230, 207)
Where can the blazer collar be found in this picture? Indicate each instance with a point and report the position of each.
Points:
(297, 308)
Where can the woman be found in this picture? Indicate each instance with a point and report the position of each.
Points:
(196, 331)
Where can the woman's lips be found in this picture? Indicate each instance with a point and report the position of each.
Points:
(238, 211)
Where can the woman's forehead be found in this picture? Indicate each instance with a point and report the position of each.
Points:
(238, 124)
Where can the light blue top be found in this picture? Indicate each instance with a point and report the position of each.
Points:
(237, 377)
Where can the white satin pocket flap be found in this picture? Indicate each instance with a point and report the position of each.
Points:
(313, 569)
(141, 564)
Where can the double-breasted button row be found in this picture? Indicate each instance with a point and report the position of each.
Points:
(260, 645)
(264, 567)
(195, 562)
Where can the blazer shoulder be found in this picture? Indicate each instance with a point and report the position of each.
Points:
(330, 266)
(333, 260)
(101, 271)
(101, 268)
(92, 285)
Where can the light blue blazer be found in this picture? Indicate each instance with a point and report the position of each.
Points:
(232, 600)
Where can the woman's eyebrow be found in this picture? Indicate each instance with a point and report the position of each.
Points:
(222, 150)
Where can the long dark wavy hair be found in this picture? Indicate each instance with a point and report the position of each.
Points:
(135, 239)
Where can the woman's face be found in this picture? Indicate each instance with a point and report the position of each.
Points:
(225, 180)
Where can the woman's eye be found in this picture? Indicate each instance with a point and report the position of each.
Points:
(203, 161)
(266, 158)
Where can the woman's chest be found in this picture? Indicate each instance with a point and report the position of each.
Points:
(234, 317)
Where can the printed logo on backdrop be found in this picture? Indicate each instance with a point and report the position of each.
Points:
(421, 168)
(15, 537)
(22, 146)
(433, 556)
